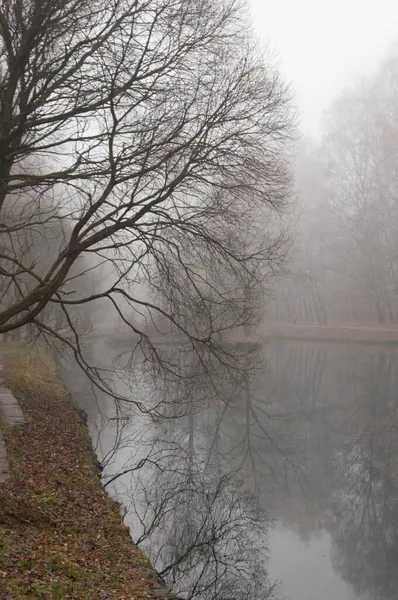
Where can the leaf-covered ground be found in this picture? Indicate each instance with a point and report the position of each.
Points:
(61, 536)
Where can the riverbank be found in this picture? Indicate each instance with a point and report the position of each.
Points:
(61, 536)
(360, 334)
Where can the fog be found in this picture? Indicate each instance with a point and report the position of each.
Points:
(322, 46)
(198, 203)
(341, 64)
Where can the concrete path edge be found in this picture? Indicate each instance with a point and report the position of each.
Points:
(11, 414)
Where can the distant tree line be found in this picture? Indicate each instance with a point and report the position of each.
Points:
(345, 264)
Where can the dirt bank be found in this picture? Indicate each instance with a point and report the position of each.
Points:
(61, 536)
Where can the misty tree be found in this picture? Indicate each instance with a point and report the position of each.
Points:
(360, 149)
(143, 147)
(345, 263)
(300, 293)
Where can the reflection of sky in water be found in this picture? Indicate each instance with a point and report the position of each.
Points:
(304, 568)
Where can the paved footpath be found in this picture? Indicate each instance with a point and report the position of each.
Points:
(11, 414)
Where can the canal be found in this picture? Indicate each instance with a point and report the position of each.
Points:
(286, 487)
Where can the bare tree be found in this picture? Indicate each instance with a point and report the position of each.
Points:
(147, 136)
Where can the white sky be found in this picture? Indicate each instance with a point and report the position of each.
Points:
(322, 45)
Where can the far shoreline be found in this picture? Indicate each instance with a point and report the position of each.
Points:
(375, 335)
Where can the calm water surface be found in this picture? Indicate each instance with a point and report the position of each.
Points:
(295, 474)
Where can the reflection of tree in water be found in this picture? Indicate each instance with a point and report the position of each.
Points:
(263, 431)
(365, 531)
(197, 519)
(345, 436)
(303, 424)
(192, 513)
(204, 533)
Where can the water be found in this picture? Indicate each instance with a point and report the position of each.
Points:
(293, 479)
(304, 567)
(337, 532)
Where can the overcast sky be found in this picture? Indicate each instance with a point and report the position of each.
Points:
(323, 45)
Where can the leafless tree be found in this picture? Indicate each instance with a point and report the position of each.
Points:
(141, 162)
